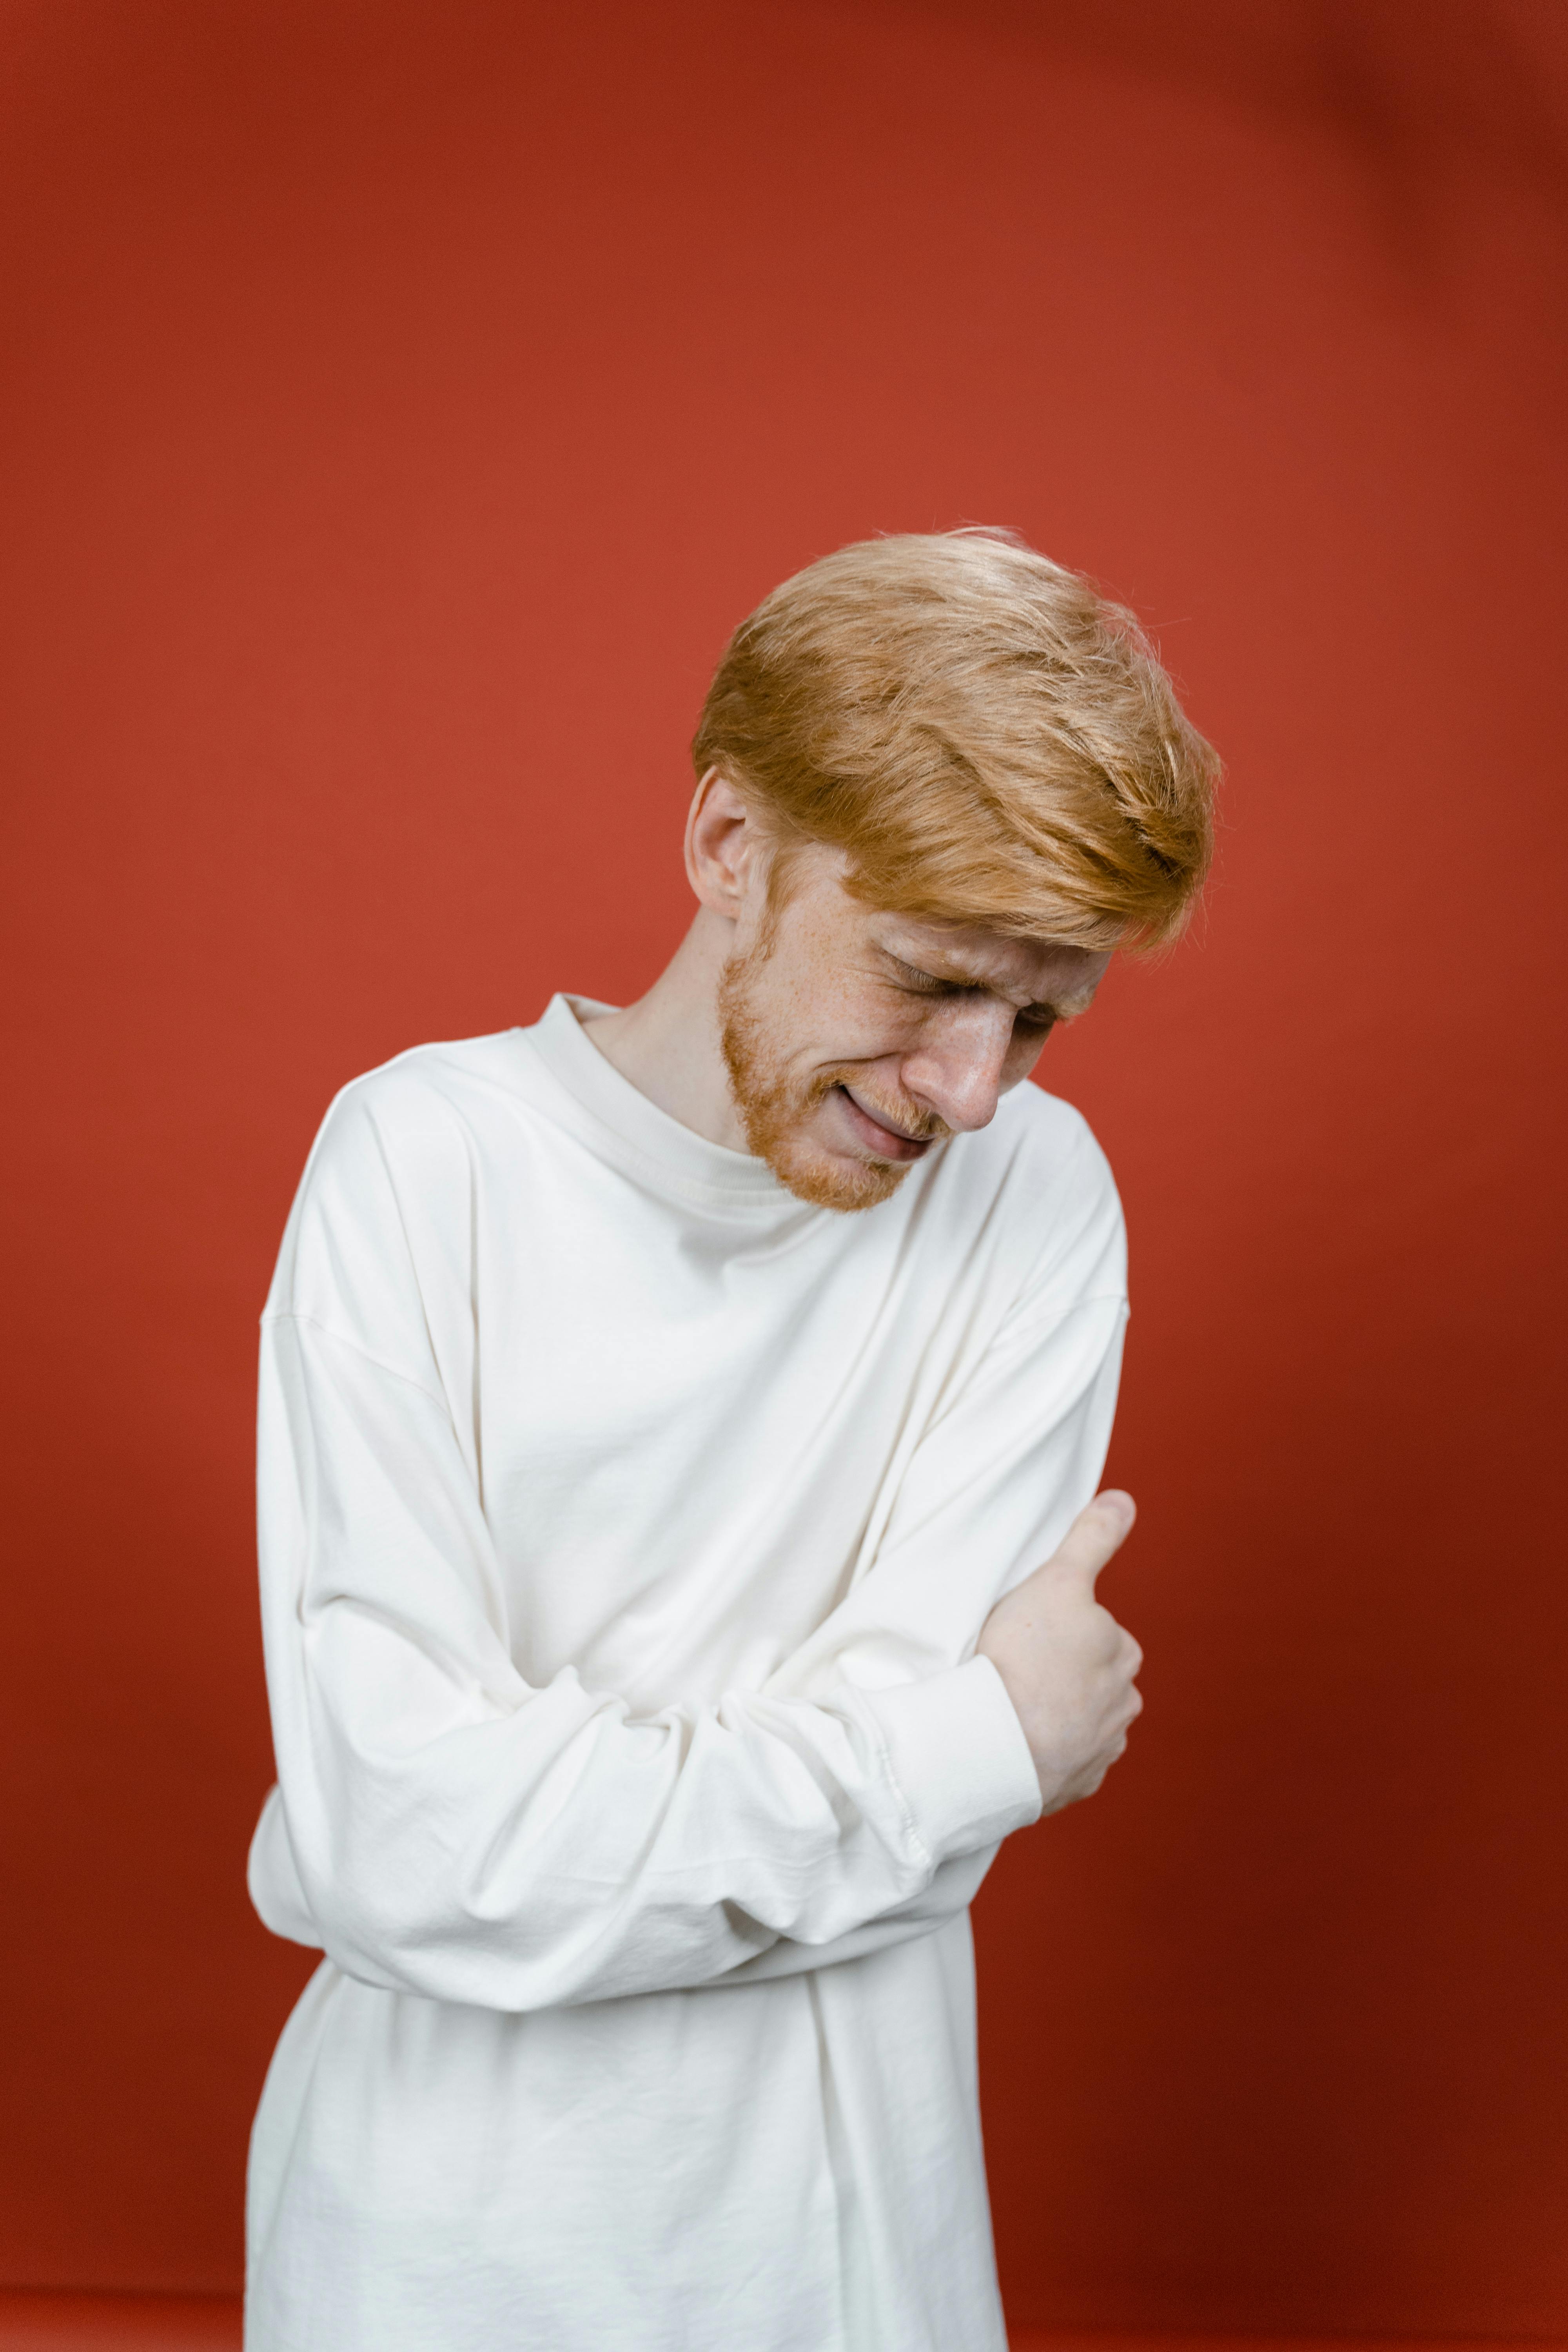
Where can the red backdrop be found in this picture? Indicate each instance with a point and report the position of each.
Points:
(404, 402)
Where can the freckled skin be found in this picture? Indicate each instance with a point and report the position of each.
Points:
(836, 1041)
(857, 1040)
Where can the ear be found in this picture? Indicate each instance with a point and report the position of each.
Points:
(725, 847)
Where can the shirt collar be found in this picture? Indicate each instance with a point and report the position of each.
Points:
(710, 1169)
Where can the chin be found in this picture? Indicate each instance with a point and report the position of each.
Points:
(830, 1181)
(780, 1115)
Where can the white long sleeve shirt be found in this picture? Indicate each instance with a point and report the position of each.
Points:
(626, 1527)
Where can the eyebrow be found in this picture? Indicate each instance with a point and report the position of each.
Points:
(952, 975)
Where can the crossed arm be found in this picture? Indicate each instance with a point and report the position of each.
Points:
(445, 1828)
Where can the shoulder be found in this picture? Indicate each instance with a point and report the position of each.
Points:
(1038, 1182)
(1047, 1133)
(437, 1086)
(1038, 1152)
(391, 1158)
(429, 1093)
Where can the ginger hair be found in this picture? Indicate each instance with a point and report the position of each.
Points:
(989, 739)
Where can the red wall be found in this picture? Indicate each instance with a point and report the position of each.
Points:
(403, 403)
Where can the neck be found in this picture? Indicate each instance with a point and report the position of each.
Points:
(668, 1043)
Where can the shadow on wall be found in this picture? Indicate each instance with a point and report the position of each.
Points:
(1419, 89)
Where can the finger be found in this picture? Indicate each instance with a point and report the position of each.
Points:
(1120, 1503)
(1096, 1535)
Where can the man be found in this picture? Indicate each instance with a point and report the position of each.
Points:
(666, 1414)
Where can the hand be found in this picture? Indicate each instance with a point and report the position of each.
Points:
(1067, 1664)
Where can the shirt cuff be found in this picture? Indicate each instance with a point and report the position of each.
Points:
(959, 1756)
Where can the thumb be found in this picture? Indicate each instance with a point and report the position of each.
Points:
(1096, 1535)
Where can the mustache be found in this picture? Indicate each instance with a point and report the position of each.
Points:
(905, 1119)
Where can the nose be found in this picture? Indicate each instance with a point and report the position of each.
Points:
(957, 1070)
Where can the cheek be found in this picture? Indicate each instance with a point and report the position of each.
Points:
(876, 1031)
(848, 1023)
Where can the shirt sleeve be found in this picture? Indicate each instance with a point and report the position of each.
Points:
(991, 1491)
(442, 1827)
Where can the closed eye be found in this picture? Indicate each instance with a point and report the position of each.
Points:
(1035, 1020)
(925, 983)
